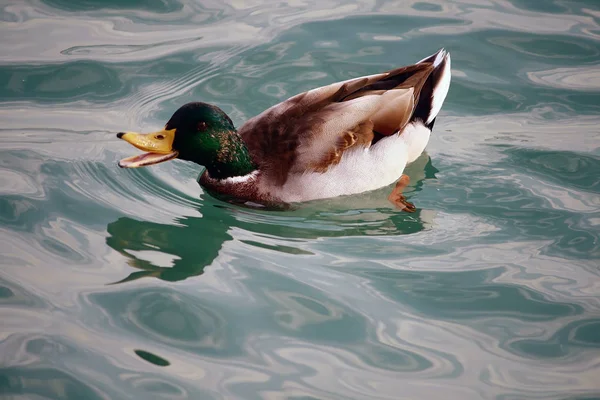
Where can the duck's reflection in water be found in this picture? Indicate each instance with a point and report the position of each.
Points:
(193, 243)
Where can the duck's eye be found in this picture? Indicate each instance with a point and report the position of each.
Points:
(160, 137)
(201, 126)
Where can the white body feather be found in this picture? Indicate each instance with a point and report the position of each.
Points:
(359, 170)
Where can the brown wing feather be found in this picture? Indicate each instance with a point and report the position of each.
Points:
(311, 131)
(360, 135)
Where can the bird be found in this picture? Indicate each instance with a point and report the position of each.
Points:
(341, 139)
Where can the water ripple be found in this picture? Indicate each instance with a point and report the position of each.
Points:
(135, 283)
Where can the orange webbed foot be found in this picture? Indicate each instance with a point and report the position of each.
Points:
(398, 199)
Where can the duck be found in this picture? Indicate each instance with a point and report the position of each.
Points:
(341, 139)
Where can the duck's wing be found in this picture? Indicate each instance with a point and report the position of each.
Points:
(311, 131)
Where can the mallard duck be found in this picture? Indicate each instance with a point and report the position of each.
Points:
(345, 138)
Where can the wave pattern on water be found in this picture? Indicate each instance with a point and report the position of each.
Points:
(135, 283)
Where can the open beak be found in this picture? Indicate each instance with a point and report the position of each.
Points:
(157, 145)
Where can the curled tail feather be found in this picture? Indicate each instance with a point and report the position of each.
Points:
(434, 90)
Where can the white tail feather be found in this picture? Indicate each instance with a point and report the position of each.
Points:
(441, 89)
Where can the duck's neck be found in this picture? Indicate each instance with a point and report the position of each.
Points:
(226, 155)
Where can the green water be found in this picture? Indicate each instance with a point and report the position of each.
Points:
(135, 284)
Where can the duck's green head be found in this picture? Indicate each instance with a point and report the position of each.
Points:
(197, 132)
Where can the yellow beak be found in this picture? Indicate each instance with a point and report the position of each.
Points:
(158, 145)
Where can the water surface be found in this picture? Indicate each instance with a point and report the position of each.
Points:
(131, 284)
